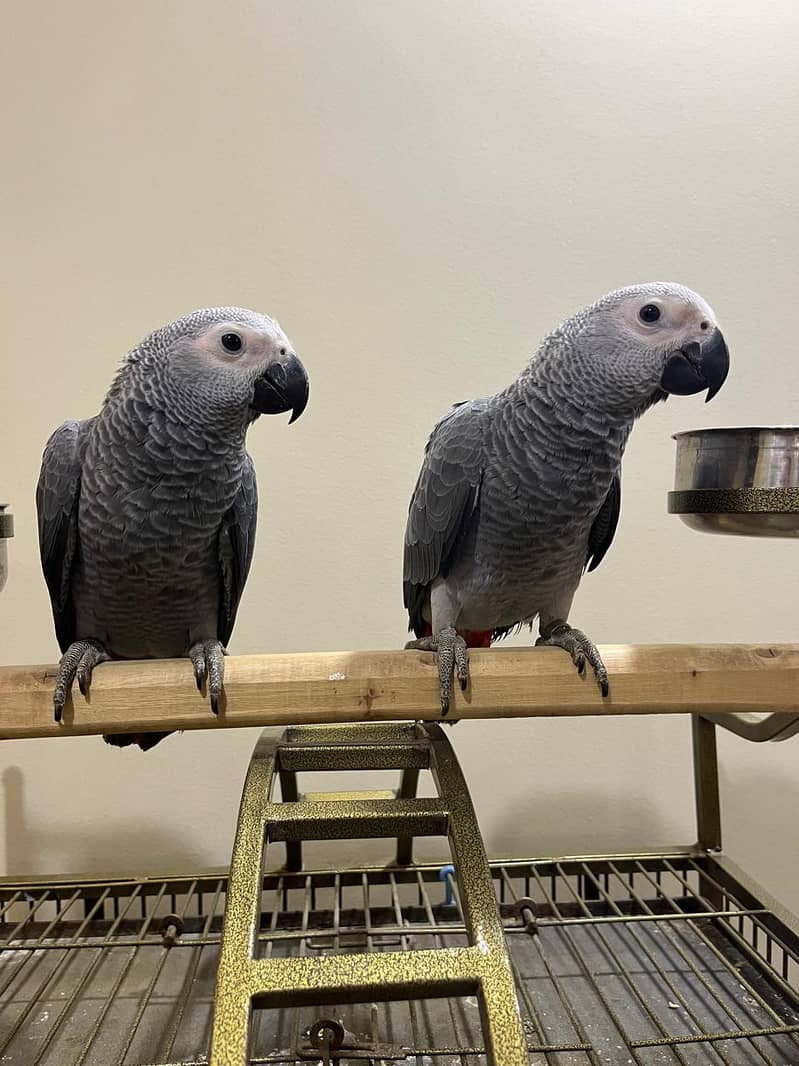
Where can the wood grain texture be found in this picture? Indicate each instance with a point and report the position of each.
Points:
(366, 686)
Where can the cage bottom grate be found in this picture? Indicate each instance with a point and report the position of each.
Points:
(650, 960)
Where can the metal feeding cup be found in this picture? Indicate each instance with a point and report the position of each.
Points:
(741, 481)
(6, 531)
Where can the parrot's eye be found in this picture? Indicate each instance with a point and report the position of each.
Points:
(649, 313)
(232, 342)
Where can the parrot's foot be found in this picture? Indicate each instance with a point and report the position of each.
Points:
(451, 654)
(79, 660)
(208, 659)
(581, 648)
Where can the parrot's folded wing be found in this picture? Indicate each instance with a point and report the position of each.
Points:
(57, 509)
(603, 530)
(236, 544)
(445, 497)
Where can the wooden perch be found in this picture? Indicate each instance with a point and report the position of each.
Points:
(392, 685)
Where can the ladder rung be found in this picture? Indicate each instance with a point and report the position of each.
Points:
(358, 820)
(347, 797)
(377, 975)
(373, 732)
(405, 756)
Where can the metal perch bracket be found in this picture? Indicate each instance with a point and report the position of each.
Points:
(482, 968)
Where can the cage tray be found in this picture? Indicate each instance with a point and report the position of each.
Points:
(651, 959)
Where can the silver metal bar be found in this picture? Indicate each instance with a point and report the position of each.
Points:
(584, 909)
(10, 903)
(55, 972)
(117, 984)
(196, 954)
(708, 943)
(151, 987)
(702, 980)
(623, 970)
(564, 999)
(85, 978)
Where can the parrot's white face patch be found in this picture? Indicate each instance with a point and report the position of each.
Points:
(236, 345)
(664, 321)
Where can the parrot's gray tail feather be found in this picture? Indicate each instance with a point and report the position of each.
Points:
(509, 631)
(144, 740)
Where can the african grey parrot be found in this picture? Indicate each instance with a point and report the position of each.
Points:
(147, 511)
(520, 492)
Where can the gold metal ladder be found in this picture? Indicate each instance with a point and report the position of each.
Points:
(482, 968)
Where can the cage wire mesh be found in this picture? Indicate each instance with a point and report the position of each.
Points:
(651, 960)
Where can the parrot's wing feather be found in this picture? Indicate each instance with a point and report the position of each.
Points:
(236, 544)
(604, 528)
(445, 497)
(57, 495)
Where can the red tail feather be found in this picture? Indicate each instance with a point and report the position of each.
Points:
(473, 638)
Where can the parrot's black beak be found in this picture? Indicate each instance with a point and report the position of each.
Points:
(697, 366)
(282, 387)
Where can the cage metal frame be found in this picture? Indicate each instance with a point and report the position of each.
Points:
(687, 893)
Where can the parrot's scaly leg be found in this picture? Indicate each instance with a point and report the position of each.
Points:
(197, 656)
(79, 660)
(208, 660)
(581, 648)
(451, 654)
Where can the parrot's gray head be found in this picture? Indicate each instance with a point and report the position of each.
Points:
(640, 344)
(221, 364)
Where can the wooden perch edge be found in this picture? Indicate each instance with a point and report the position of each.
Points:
(366, 686)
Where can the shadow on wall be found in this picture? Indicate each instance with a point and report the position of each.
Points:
(157, 848)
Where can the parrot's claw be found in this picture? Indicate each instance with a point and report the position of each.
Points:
(452, 656)
(580, 647)
(199, 670)
(78, 661)
(208, 659)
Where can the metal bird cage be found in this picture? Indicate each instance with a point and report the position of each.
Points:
(673, 957)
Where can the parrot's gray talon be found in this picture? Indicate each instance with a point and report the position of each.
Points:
(207, 657)
(580, 647)
(77, 662)
(59, 699)
(462, 662)
(451, 654)
(422, 644)
(199, 675)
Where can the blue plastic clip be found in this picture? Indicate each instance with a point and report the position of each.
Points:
(444, 874)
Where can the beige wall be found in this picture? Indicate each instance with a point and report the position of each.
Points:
(418, 192)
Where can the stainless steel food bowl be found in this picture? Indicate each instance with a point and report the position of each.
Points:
(6, 531)
(742, 481)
